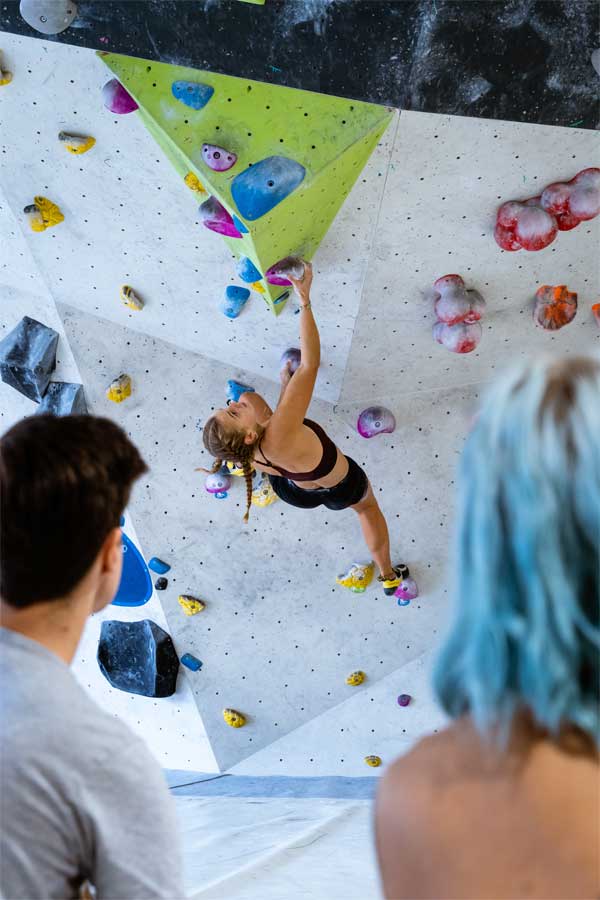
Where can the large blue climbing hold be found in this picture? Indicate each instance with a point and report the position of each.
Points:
(63, 398)
(194, 94)
(135, 587)
(247, 270)
(235, 389)
(28, 357)
(234, 301)
(265, 184)
(138, 657)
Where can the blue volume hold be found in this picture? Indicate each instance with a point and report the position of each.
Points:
(194, 94)
(265, 184)
(234, 301)
(135, 587)
(235, 389)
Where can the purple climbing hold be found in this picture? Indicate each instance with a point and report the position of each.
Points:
(265, 184)
(194, 94)
(217, 158)
(247, 270)
(404, 699)
(216, 218)
(278, 273)
(218, 483)
(407, 590)
(375, 420)
(117, 99)
(293, 356)
(234, 301)
(28, 357)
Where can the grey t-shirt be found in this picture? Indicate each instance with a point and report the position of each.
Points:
(80, 795)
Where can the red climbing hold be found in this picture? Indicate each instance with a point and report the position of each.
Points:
(554, 306)
(524, 224)
(574, 201)
(596, 312)
(454, 303)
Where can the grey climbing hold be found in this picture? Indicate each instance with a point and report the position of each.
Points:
(138, 657)
(48, 16)
(595, 60)
(28, 357)
(63, 399)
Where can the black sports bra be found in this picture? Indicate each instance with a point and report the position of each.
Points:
(328, 460)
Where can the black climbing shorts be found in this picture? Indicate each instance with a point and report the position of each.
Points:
(348, 492)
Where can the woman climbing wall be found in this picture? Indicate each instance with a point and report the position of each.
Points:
(305, 467)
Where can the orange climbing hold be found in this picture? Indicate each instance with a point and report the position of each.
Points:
(596, 312)
(555, 306)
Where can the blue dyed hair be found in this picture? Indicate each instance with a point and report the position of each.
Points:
(526, 631)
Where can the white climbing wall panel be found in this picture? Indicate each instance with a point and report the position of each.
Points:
(278, 638)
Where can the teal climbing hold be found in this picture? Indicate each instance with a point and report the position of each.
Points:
(262, 186)
(247, 270)
(194, 94)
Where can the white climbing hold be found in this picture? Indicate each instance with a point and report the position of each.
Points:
(48, 16)
(5, 77)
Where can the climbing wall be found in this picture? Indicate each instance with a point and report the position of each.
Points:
(277, 163)
(278, 637)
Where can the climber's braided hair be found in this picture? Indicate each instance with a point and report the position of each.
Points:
(225, 444)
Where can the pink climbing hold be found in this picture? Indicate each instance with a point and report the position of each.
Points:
(407, 589)
(555, 306)
(280, 272)
(217, 158)
(524, 224)
(454, 303)
(216, 218)
(404, 699)
(574, 201)
(117, 99)
(375, 420)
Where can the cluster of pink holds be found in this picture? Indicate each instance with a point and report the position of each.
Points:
(458, 311)
(533, 224)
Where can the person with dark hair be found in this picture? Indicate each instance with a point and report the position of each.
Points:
(504, 802)
(303, 464)
(81, 798)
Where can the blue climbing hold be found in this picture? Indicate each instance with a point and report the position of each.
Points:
(138, 657)
(63, 398)
(191, 662)
(239, 225)
(234, 301)
(281, 298)
(194, 94)
(265, 184)
(402, 601)
(235, 389)
(158, 566)
(28, 357)
(247, 270)
(135, 587)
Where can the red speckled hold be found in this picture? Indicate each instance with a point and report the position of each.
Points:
(404, 699)
(524, 224)
(574, 201)
(460, 338)
(454, 303)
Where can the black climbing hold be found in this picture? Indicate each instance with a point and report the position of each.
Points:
(28, 357)
(161, 583)
(138, 657)
(63, 398)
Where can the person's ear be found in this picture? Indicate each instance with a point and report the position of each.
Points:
(250, 437)
(111, 566)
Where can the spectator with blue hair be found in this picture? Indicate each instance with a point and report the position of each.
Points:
(504, 803)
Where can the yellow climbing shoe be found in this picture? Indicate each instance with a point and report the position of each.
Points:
(358, 577)
(390, 584)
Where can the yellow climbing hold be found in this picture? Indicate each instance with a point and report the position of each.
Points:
(190, 605)
(130, 298)
(76, 143)
(358, 577)
(263, 494)
(234, 718)
(5, 77)
(355, 678)
(43, 214)
(234, 469)
(119, 389)
(373, 761)
(258, 286)
(194, 183)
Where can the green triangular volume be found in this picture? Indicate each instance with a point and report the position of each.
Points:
(311, 145)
